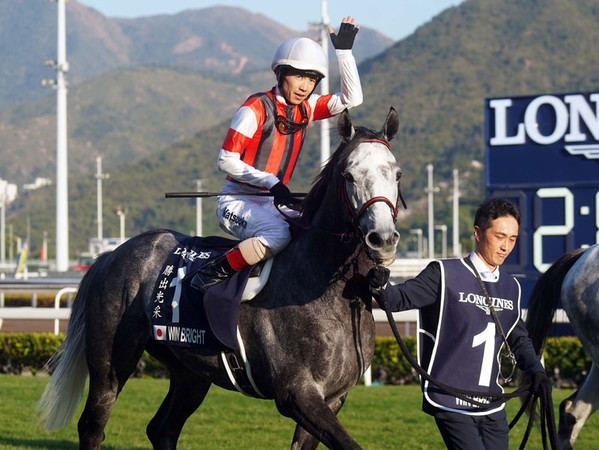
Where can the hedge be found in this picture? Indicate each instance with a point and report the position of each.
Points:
(26, 351)
(565, 360)
(29, 352)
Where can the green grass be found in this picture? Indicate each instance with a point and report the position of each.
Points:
(381, 417)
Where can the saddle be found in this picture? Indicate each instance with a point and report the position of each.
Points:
(184, 316)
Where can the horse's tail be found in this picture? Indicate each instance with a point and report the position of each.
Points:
(545, 296)
(68, 367)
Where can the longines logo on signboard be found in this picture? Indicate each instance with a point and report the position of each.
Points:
(570, 112)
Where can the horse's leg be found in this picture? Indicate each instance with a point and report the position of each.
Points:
(110, 364)
(576, 409)
(184, 396)
(307, 407)
(104, 387)
(103, 392)
(302, 440)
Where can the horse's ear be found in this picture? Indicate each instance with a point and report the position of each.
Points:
(344, 126)
(391, 124)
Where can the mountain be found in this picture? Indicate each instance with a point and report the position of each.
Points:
(122, 116)
(437, 79)
(221, 40)
(136, 86)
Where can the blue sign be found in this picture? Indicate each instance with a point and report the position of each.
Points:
(542, 152)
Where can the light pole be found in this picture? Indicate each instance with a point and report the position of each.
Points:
(457, 251)
(99, 177)
(430, 190)
(323, 26)
(62, 206)
(199, 209)
(443, 229)
(418, 233)
(10, 243)
(121, 213)
(44, 251)
(3, 186)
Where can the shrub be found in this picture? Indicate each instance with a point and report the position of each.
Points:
(566, 360)
(29, 352)
(26, 351)
(388, 363)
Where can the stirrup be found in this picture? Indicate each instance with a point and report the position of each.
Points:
(212, 273)
(203, 283)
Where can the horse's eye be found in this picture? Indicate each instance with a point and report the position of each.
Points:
(348, 177)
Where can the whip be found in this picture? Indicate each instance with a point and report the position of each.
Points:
(218, 194)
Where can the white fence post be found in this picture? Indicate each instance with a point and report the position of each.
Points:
(59, 294)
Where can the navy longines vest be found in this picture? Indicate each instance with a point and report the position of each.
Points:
(458, 342)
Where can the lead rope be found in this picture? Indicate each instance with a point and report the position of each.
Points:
(547, 415)
(510, 354)
(459, 393)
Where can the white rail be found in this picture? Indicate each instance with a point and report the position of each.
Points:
(33, 313)
(57, 313)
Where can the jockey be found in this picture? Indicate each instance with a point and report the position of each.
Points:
(263, 144)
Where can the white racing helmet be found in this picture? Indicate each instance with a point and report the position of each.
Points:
(302, 54)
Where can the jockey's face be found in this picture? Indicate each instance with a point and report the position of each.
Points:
(297, 86)
(495, 243)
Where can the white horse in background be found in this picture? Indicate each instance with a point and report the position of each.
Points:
(573, 279)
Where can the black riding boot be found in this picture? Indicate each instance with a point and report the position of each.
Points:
(212, 273)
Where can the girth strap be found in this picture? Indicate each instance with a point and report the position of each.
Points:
(240, 375)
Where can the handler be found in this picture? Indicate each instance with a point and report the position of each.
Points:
(459, 340)
(263, 145)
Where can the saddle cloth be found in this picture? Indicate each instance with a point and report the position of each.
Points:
(182, 315)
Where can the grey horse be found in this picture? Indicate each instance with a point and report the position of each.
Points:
(573, 279)
(308, 335)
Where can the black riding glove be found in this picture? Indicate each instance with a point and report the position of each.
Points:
(377, 279)
(282, 195)
(345, 39)
(541, 382)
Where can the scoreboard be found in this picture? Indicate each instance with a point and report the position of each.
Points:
(542, 153)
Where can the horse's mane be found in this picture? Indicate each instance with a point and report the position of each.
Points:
(323, 180)
(545, 296)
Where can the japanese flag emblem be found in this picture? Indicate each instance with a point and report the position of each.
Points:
(160, 332)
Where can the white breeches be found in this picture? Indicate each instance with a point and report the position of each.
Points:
(257, 217)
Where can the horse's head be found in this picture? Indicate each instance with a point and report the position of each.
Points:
(370, 185)
(361, 178)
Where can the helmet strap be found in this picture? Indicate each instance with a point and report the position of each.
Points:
(283, 124)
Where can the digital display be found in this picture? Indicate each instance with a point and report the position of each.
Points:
(542, 152)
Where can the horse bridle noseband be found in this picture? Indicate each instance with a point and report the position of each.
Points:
(356, 215)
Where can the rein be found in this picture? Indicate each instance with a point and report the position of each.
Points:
(546, 406)
(344, 237)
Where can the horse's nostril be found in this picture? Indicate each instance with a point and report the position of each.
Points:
(374, 240)
(377, 240)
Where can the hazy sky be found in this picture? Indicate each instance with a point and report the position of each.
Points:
(394, 18)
